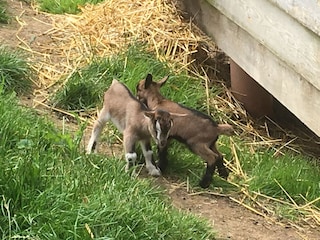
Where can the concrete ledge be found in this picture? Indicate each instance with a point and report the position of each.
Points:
(292, 78)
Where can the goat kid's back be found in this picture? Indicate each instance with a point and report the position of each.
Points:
(122, 108)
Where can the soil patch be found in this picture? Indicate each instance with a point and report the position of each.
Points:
(230, 220)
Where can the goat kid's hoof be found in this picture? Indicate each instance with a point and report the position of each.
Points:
(162, 165)
(154, 172)
(205, 183)
(224, 173)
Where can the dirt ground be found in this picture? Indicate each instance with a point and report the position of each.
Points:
(230, 220)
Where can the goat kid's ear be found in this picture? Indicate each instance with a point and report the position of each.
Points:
(163, 81)
(148, 81)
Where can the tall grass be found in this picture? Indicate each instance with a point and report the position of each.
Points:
(14, 71)
(49, 190)
(64, 6)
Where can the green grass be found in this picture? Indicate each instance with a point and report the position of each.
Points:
(4, 17)
(85, 87)
(64, 6)
(291, 174)
(50, 190)
(14, 71)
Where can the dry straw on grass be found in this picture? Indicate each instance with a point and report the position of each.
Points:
(109, 27)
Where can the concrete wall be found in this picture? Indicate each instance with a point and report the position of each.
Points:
(277, 42)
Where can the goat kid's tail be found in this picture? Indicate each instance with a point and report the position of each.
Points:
(225, 129)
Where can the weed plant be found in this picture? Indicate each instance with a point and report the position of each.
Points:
(49, 190)
(14, 71)
(64, 6)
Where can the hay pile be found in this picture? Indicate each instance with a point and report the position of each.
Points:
(107, 28)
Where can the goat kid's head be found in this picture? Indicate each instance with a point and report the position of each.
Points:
(160, 127)
(147, 87)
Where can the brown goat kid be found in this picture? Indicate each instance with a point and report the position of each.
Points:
(197, 130)
(135, 121)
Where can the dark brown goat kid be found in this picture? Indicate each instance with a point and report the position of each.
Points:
(197, 130)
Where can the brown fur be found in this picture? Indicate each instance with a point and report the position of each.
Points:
(197, 130)
(134, 120)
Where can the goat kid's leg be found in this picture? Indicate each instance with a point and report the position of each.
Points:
(148, 155)
(129, 148)
(96, 130)
(163, 160)
(222, 170)
(207, 177)
(210, 158)
(131, 160)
